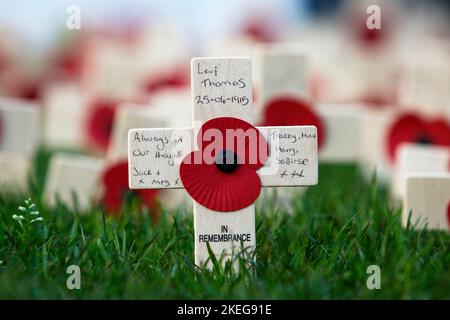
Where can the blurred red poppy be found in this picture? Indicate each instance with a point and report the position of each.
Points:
(17, 84)
(176, 79)
(100, 122)
(413, 129)
(30, 90)
(115, 183)
(221, 176)
(259, 30)
(68, 64)
(370, 37)
(289, 111)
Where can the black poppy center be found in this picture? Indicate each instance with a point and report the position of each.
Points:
(423, 139)
(226, 161)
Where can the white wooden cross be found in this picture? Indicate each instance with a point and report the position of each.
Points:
(221, 87)
(284, 72)
(413, 158)
(70, 176)
(19, 139)
(427, 200)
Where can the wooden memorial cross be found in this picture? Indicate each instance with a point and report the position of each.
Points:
(427, 200)
(221, 87)
(19, 138)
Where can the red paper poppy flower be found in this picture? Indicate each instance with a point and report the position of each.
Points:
(176, 79)
(413, 129)
(288, 111)
(115, 184)
(221, 175)
(100, 122)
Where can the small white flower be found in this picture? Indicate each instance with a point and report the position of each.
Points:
(37, 219)
(18, 218)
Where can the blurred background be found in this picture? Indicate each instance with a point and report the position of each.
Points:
(36, 46)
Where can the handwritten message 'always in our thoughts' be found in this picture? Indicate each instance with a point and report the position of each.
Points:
(154, 157)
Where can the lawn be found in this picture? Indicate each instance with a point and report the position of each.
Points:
(320, 251)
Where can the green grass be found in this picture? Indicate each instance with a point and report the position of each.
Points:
(321, 251)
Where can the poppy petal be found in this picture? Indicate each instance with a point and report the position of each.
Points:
(411, 128)
(148, 197)
(439, 132)
(259, 30)
(99, 123)
(112, 202)
(234, 134)
(407, 128)
(177, 79)
(217, 190)
(289, 111)
(115, 183)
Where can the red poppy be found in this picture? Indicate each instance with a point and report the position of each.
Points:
(100, 122)
(221, 175)
(30, 91)
(413, 129)
(176, 79)
(115, 183)
(376, 101)
(20, 85)
(259, 30)
(289, 111)
(68, 64)
(370, 38)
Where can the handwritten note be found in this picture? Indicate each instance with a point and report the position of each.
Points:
(293, 156)
(221, 88)
(154, 157)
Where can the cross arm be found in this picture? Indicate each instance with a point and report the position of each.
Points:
(154, 156)
(293, 159)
